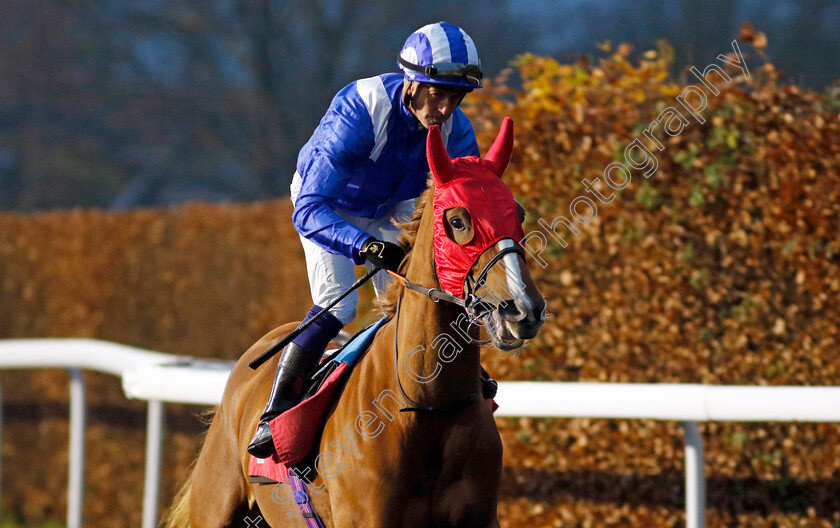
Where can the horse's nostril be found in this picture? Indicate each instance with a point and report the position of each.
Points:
(511, 311)
(516, 311)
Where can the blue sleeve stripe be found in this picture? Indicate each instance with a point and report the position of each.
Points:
(375, 97)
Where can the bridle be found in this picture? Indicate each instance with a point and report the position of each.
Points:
(475, 309)
(472, 304)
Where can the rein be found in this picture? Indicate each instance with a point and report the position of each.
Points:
(415, 406)
(475, 309)
(432, 293)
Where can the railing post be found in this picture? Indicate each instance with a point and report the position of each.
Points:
(695, 480)
(76, 471)
(154, 456)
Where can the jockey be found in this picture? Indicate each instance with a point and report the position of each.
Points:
(363, 166)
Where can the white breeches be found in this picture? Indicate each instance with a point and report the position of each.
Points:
(331, 275)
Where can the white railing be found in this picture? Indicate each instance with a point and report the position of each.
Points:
(159, 378)
(99, 356)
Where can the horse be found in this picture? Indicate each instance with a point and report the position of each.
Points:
(439, 462)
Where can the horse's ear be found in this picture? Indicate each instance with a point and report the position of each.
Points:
(439, 162)
(499, 154)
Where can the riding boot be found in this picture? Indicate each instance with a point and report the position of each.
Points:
(297, 359)
(295, 362)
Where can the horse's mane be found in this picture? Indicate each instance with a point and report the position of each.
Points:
(408, 235)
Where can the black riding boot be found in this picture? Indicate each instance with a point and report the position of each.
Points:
(295, 362)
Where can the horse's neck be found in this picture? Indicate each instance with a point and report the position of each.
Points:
(438, 366)
(438, 362)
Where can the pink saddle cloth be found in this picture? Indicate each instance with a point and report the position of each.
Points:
(295, 430)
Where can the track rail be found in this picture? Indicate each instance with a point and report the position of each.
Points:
(159, 378)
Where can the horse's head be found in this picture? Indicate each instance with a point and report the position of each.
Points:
(477, 229)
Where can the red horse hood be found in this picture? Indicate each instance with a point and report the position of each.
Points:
(476, 185)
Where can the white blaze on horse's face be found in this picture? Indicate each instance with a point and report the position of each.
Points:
(513, 276)
(470, 190)
(516, 309)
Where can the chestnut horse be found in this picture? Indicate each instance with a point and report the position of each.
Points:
(439, 464)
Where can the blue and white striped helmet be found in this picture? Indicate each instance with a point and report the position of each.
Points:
(441, 54)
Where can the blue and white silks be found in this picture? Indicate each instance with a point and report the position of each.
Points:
(367, 154)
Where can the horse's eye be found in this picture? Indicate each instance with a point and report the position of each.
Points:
(457, 224)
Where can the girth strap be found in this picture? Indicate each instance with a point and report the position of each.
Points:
(311, 518)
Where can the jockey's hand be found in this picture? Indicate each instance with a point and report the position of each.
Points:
(385, 255)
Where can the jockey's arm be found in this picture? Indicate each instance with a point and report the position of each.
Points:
(343, 138)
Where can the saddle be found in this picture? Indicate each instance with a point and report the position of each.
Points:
(295, 431)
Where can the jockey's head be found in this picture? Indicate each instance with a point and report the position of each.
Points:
(440, 65)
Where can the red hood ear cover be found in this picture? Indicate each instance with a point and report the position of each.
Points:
(476, 185)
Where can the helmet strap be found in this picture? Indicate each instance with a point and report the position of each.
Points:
(409, 89)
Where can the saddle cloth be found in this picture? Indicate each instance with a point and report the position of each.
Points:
(294, 432)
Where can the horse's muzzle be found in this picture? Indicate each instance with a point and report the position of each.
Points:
(523, 319)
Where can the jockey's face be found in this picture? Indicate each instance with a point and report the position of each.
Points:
(432, 104)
